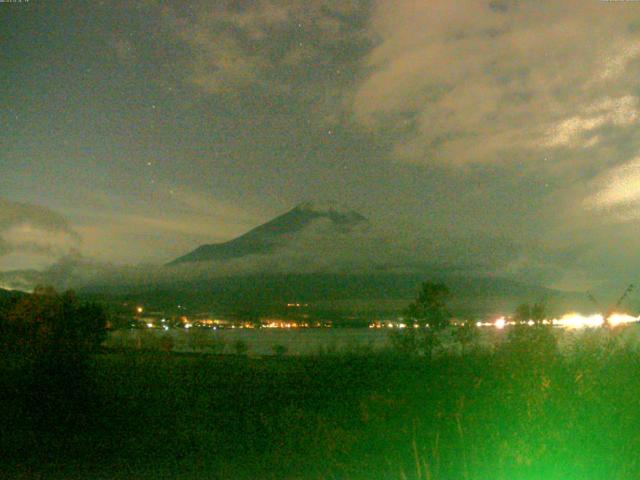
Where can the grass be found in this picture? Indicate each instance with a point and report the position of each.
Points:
(509, 414)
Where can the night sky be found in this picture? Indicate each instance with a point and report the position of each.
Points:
(135, 131)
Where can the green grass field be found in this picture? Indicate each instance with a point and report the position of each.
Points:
(514, 414)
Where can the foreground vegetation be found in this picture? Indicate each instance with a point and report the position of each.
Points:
(519, 409)
(521, 412)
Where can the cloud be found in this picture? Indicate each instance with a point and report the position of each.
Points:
(320, 248)
(451, 82)
(161, 229)
(617, 193)
(571, 132)
(33, 235)
(282, 48)
(475, 81)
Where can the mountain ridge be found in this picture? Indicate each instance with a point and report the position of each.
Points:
(269, 236)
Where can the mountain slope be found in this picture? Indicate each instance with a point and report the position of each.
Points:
(269, 236)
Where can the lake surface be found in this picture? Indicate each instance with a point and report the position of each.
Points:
(258, 341)
(328, 340)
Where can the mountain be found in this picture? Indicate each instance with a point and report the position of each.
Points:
(274, 234)
(331, 259)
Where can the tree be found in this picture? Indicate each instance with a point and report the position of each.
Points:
(526, 341)
(465, 333)
(429, 308)
(523, 313)
(430, 314)
(537, 312)
(47, 324)
(51, 335)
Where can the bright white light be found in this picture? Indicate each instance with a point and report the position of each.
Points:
(500, 323)
(616, 319)
(575, 320)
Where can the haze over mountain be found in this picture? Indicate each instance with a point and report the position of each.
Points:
(332, 258)
(335, 260)
(275, 234)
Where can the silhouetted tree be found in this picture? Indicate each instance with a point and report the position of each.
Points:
(429, 308)
(536, 312)
(48, 324)
(539, 311)
(52, 334)
(430, 314)
(536, 341)
(523, 313)
(465, 333)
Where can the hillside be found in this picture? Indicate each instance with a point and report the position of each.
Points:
(274, 234)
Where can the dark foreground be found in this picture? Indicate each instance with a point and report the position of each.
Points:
(508, 415)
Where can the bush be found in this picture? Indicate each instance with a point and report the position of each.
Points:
(240, 347)
(530, 344)
(279, 350)
(51, 336)
(49, 324)
(465, 334)
(404, 342)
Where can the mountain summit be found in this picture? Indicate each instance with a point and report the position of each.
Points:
(276, 233)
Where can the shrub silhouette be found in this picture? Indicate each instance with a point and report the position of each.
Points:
(47, 324)
(240, 347)
(50, 335)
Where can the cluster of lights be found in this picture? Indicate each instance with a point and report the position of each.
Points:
(570, 321)
(163, 324)
(287, 324)
(575, 320)
(502, 322)
(391, 324)
(215, 324)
